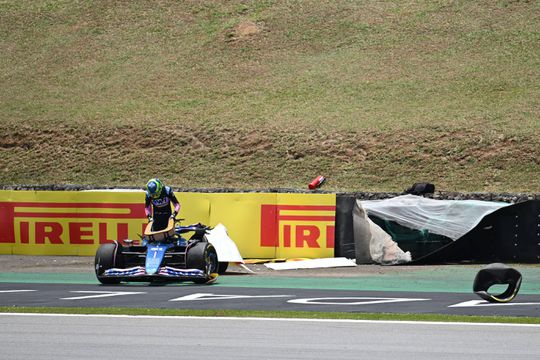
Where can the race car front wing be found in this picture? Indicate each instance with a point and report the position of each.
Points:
(138, 273)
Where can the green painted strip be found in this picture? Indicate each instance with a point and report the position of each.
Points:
(366, 284)
(451, 279)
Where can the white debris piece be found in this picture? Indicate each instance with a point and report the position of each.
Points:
(312, 264)
(226, 248)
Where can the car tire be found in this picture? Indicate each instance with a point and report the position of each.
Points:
(202, 256)
(107, 257)
(222, 268)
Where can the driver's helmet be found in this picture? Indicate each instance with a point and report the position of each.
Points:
(154, 188)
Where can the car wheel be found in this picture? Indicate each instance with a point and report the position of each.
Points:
(107, 257)
(222, 267)
(202, 256)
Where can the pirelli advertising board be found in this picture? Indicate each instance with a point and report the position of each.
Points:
(263, 225)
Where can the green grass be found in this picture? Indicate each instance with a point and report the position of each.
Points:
(273, 314)
(374, 95)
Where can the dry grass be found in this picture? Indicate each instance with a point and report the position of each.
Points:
(258, 94)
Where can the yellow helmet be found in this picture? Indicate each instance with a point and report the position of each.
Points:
(154, 188)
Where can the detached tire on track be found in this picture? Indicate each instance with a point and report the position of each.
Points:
(108, 256)
(202, 256)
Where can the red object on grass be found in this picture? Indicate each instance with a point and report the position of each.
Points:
(317, 182)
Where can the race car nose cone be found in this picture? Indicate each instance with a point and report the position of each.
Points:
(493, 274)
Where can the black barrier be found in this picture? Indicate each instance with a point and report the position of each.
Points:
(344, 239)
(509, 234)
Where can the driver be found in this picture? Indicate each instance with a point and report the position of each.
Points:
(158, 204)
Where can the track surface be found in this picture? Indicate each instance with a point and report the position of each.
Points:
(363, 289)
(31, 336)
(70, 281)
(190, 296)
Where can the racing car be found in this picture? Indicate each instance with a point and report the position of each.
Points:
(164, 255)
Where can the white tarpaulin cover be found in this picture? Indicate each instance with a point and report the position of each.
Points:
(226, 249)
(450, 218)
(373, 244)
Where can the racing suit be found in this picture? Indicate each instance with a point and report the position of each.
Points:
(160, 208)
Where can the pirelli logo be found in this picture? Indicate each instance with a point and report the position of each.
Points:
(67, 223)
(298, 226)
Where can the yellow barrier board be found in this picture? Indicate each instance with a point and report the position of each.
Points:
(263, 225)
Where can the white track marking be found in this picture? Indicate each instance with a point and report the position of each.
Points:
(352, 301)
(99, 294)
(280, 319)
(484, 303)
(209, 296)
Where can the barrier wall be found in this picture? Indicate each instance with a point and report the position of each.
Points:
(509, 234)
(263, 225)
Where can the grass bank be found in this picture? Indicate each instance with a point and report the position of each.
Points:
(268, 94)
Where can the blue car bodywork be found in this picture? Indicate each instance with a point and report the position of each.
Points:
(162, 256)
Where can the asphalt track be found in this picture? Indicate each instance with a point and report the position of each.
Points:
(48, 336)
(263, 293)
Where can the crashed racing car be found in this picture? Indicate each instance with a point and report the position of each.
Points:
(164, 255)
